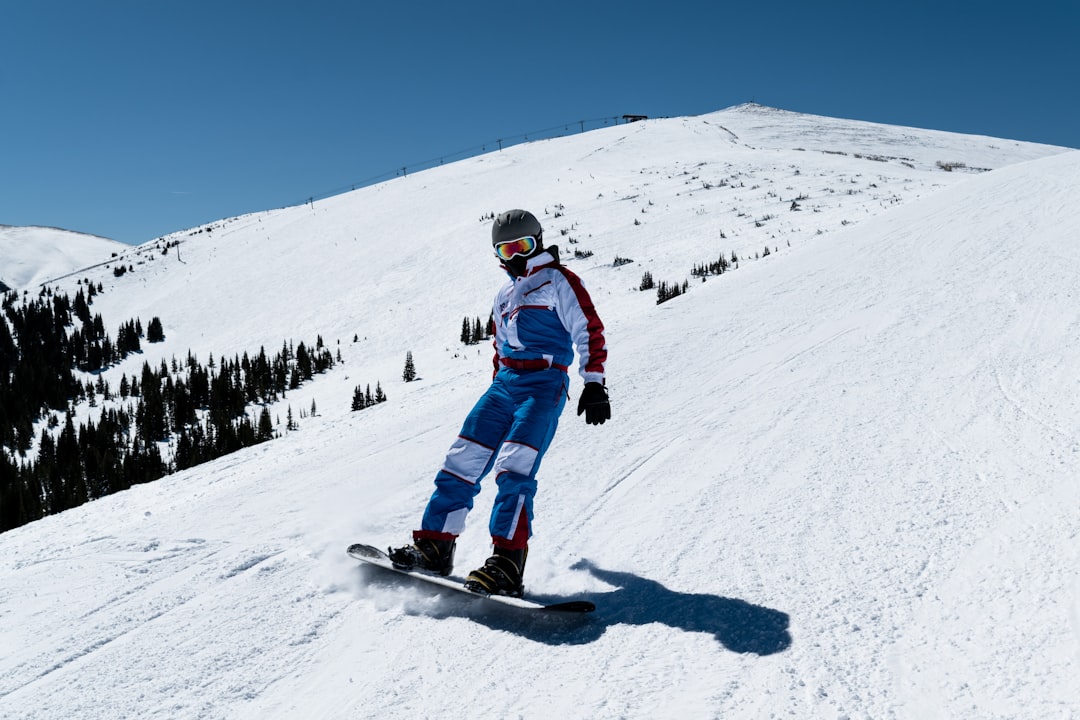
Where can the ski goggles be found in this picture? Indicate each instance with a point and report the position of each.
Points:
(511, 248)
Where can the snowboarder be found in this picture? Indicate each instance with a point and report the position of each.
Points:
(541, 314)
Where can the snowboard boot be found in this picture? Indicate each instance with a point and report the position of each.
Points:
(434, 556)
(501, 575)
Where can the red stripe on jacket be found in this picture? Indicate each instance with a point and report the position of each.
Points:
(597, 344)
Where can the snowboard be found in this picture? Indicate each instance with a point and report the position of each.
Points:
(374, 556)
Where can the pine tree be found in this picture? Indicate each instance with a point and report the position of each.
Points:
(154, 332)
(266, 426)
(409, 374)
(666, 292)
(304, 363)
(80, 308)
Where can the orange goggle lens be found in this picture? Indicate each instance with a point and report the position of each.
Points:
(510, 248)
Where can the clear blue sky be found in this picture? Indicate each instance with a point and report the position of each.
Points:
(134, 119)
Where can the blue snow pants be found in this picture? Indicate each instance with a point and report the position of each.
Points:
(508, 431)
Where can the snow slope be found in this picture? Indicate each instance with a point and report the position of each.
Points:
(30, 256)
(839, 481)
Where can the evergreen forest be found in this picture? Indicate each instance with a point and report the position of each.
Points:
(53, 350)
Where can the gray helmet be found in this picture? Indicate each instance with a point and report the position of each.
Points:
(513, 224)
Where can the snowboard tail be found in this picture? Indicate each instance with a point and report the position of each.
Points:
(374, 556)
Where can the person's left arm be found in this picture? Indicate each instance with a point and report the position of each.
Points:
(579, 317)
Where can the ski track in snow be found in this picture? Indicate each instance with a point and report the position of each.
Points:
(839, 481)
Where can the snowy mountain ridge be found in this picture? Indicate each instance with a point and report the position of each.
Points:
(30, 256)
(839, 480)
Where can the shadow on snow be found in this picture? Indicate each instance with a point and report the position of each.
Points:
(737, 625)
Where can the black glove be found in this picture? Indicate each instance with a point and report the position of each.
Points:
(594, 403)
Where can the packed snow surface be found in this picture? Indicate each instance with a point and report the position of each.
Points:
(840, 480)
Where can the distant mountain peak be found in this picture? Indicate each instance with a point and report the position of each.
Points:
(32, 255)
